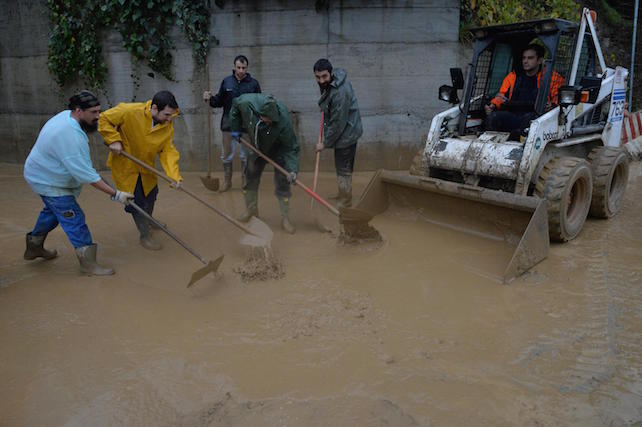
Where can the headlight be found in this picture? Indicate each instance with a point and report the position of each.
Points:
(448, 94)
(569, 95)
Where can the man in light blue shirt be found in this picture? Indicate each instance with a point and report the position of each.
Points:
(56, 169)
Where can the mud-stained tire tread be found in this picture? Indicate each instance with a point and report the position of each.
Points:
(603, 160)
(550, 186)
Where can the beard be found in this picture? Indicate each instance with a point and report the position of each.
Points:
(88, 127)
(323, 87)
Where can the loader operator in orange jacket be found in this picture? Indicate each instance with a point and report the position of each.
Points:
(513, 107)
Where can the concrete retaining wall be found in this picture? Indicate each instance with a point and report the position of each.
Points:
(396, 53)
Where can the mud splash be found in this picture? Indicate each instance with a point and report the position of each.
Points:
(262, 264)
(357, 233)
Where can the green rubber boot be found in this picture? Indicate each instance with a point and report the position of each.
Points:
(345, 191)
(284, 206)
(251, 205)
(35, 248)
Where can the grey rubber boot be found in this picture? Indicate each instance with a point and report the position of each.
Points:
(227, 182)
(251, 205)
(345, 191)
(35, 248)
(88, 265)
(243, 179)
(146, 239)
(284, 206)
(155, 226)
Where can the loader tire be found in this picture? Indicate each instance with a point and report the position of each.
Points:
(415, 165)
(566, 184)
(610, 168)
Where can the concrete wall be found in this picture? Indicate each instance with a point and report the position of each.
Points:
(396, 53)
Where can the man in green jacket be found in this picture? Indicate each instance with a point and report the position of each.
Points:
(342, 124)
(267, 121)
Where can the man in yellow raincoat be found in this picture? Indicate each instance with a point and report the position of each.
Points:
(142, 129)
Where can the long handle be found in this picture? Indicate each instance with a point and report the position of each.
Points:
(169, 233)
(209, 125)
(297, 182)
(171, 181)
(316, 162)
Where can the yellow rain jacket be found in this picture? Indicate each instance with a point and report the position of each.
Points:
(131, 124)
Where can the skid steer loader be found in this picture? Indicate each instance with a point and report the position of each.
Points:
(520, 188)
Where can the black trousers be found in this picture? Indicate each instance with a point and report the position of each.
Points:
(344, 160)
(254, 170)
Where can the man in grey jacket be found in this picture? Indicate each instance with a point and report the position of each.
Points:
(342, 124)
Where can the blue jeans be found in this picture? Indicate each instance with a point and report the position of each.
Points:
(229, 148)
(63, 210)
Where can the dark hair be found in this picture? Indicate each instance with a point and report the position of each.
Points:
(241, 58)
(163, 99)
(83, 100)
(539, 50)
(323, 65)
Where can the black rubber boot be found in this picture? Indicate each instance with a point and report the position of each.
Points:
(227, 182)
(88, 265)
(35, 248)
(251, 205)
(146, 239)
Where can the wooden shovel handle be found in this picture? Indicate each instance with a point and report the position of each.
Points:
(316, 162)
(286, 173)
(171, 181)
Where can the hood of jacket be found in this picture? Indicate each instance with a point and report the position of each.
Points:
(267, 107)
(338, 77)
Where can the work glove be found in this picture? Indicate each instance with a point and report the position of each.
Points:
(116, 147)
(236, 135)
(176, 185)
(291, 177)
(122, 197)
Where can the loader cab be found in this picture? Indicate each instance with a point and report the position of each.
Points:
(498, 51)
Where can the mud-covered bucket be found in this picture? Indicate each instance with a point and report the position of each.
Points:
(510, 231)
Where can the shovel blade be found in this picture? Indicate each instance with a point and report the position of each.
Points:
(261, 234)
(211, 267)
(210, 183)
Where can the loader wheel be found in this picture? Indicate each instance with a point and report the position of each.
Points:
(566, 185)
(610, 168)
(415, 165)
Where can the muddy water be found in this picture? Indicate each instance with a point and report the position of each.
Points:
(411, 332)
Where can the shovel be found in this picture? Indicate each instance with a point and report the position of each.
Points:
(316, 162)
(257, 233)
(209, 182)
(210, 266)
(322, 227)
(346, 215)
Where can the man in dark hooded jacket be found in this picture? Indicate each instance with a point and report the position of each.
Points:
(238, 83)
(267, 121)
(342, 123)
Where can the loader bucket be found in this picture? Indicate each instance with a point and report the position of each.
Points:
(516, 225)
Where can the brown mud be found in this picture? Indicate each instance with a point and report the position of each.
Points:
(417, 332)
(359, 233)
(261, 264)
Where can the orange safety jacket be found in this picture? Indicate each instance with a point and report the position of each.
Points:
(506, 90)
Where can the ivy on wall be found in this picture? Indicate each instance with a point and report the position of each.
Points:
(480, 13)
(74, 44)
